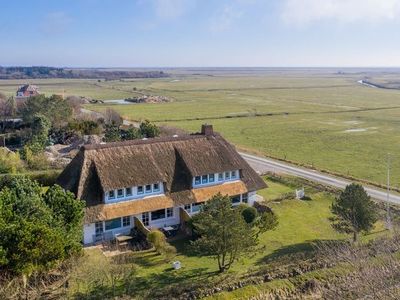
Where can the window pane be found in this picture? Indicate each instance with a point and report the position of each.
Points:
(140, 190)
(204, 179)
(99, 228)
(233, 174)
(111, 194)
(211, 178)
(120, 193)
(145, 218)
(196, 207)
(158, 214)
(227, 175)
(128, 191)
(148, 188)
(235, 199)
(197, 180)
(187, 207)
(170, 212)
(156, 187)
(112, 224)
(245, 198)
(126, 221)
(221, 176)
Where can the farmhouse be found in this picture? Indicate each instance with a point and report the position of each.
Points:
(25, 91)
(155, 182)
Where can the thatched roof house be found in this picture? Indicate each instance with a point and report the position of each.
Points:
(136, 178)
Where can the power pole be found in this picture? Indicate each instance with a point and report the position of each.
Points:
(388, 219)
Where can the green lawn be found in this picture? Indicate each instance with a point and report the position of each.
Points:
(300, 224)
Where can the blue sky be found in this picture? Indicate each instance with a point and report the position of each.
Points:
(179, 33)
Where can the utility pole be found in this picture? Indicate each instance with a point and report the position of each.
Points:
(388, 219)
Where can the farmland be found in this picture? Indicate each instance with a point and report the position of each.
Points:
(315, 117)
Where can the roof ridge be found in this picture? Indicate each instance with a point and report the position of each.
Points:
(148, 141)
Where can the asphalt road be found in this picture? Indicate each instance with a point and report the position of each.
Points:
(262, 165)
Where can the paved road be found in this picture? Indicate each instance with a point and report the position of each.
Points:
(262, 165)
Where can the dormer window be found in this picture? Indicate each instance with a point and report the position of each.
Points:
(211, 178)
(111, 195)
(204, 179)
(197, 180)
(220, 176)
(156, 187)
(233, 174)
(227, 175)
(128, 192)
(140, 190)
(120, 193)
(148, 189)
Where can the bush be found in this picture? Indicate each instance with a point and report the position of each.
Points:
(10, 162)
(85, 127)
(158, 240)
(249, 214)
(35, 160)
(38, 230)
(149, 129)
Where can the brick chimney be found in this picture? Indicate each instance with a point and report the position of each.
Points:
(207, 129)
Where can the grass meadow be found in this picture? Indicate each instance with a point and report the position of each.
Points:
(319, 118)
(326, 120)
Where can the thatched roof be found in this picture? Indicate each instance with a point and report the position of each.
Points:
(174, 161)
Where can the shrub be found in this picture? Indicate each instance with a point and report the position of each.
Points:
(169, 252)
(149, 129)
(10, 162)
(37, 230)
(249, 214)
(34, 160)
(158, 240)
(85, 127)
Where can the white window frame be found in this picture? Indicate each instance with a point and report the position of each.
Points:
(146, 218)
(212, 175)
(148, 191)
(220, 176)
(126, 221)
(123, 194)
(130, 193)
(156, 189)
(169, 212)
(140, 187)
(111, 197)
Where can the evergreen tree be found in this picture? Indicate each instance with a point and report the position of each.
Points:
(354, 211)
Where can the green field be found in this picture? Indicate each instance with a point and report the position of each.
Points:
(315, 117)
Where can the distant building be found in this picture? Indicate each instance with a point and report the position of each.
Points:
(27, 90)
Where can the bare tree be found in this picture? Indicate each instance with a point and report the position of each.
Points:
(111, 117)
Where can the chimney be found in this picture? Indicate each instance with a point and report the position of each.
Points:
(207, 129)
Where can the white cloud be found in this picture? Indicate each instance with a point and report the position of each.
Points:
(172, 9)
(224, 19)
(304, 12)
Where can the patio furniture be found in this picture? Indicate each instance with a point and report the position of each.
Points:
(123, 240)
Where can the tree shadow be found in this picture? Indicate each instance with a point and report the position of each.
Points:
(306, 249)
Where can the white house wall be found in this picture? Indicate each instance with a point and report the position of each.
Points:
(88, 233)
